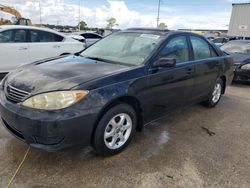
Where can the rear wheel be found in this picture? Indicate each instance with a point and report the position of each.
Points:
(115, 130)
(216, 94)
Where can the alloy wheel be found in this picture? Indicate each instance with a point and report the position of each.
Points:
(118, 131)
(216, 93)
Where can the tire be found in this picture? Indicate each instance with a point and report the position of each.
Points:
(215, 95)
(111, 135)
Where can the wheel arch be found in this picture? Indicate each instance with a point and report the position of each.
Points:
(224, 79)
(130, 100)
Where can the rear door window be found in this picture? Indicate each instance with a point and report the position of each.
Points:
(43, 36)
(201, 48)
(20, 36)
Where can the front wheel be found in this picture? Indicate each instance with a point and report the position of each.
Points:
(215, 95)
(115, 130)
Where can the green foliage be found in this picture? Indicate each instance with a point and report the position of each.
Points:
(162, 26)
(83, 25)
(111, 22)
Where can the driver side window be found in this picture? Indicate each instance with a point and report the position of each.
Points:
(176, 48)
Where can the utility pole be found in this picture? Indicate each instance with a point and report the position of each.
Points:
(158, 14)
(40, 12)
(79, 27)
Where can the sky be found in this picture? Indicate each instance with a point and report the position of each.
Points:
(177, 14)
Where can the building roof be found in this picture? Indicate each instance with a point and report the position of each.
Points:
(240, 4)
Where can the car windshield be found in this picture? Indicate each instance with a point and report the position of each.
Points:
(219, 40)
(242, 47)
(123, 48)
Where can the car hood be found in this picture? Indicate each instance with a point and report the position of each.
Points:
(240, 58)
(60, 73)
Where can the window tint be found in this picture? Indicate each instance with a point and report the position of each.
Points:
(176, 48)
(58, 38)
(20, 36)
(6, 36)
(43, 36)
(201, 48)
(12, 36)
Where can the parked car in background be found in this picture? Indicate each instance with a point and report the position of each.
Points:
(240, 51)
(209, 37)
(219, 41)
(25, 44)
(78, 38)
(104, 94)
(91, 38)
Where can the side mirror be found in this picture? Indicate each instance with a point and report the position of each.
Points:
(165, 62)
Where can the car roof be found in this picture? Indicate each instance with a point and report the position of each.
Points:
(7, 27)
(154, 31)
(220, 38)
(157, 31)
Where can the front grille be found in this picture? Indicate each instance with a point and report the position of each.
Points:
(14, 94)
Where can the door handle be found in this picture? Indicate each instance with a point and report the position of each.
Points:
(23, 48)
(56, 46)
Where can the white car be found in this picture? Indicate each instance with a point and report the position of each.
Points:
(91, 38)
(25, 44)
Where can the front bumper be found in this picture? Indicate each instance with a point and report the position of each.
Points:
(49, 130)
(241, 75)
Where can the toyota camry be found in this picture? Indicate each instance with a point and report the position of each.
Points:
(103, 95)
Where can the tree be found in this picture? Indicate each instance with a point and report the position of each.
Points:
(162, 25)
(111, 22)
(83, 25)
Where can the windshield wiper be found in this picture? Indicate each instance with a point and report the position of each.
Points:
(101, 59)
(106, 60)
(96, 58)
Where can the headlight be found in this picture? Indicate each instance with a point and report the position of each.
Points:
(54, 100)
(246, 67)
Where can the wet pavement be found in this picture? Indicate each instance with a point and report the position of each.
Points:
(172, 152)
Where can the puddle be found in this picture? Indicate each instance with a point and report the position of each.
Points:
(156, 145)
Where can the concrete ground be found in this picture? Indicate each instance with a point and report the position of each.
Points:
(173, 152)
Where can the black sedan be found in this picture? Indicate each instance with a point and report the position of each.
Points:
(240, 51)
(101, 96)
